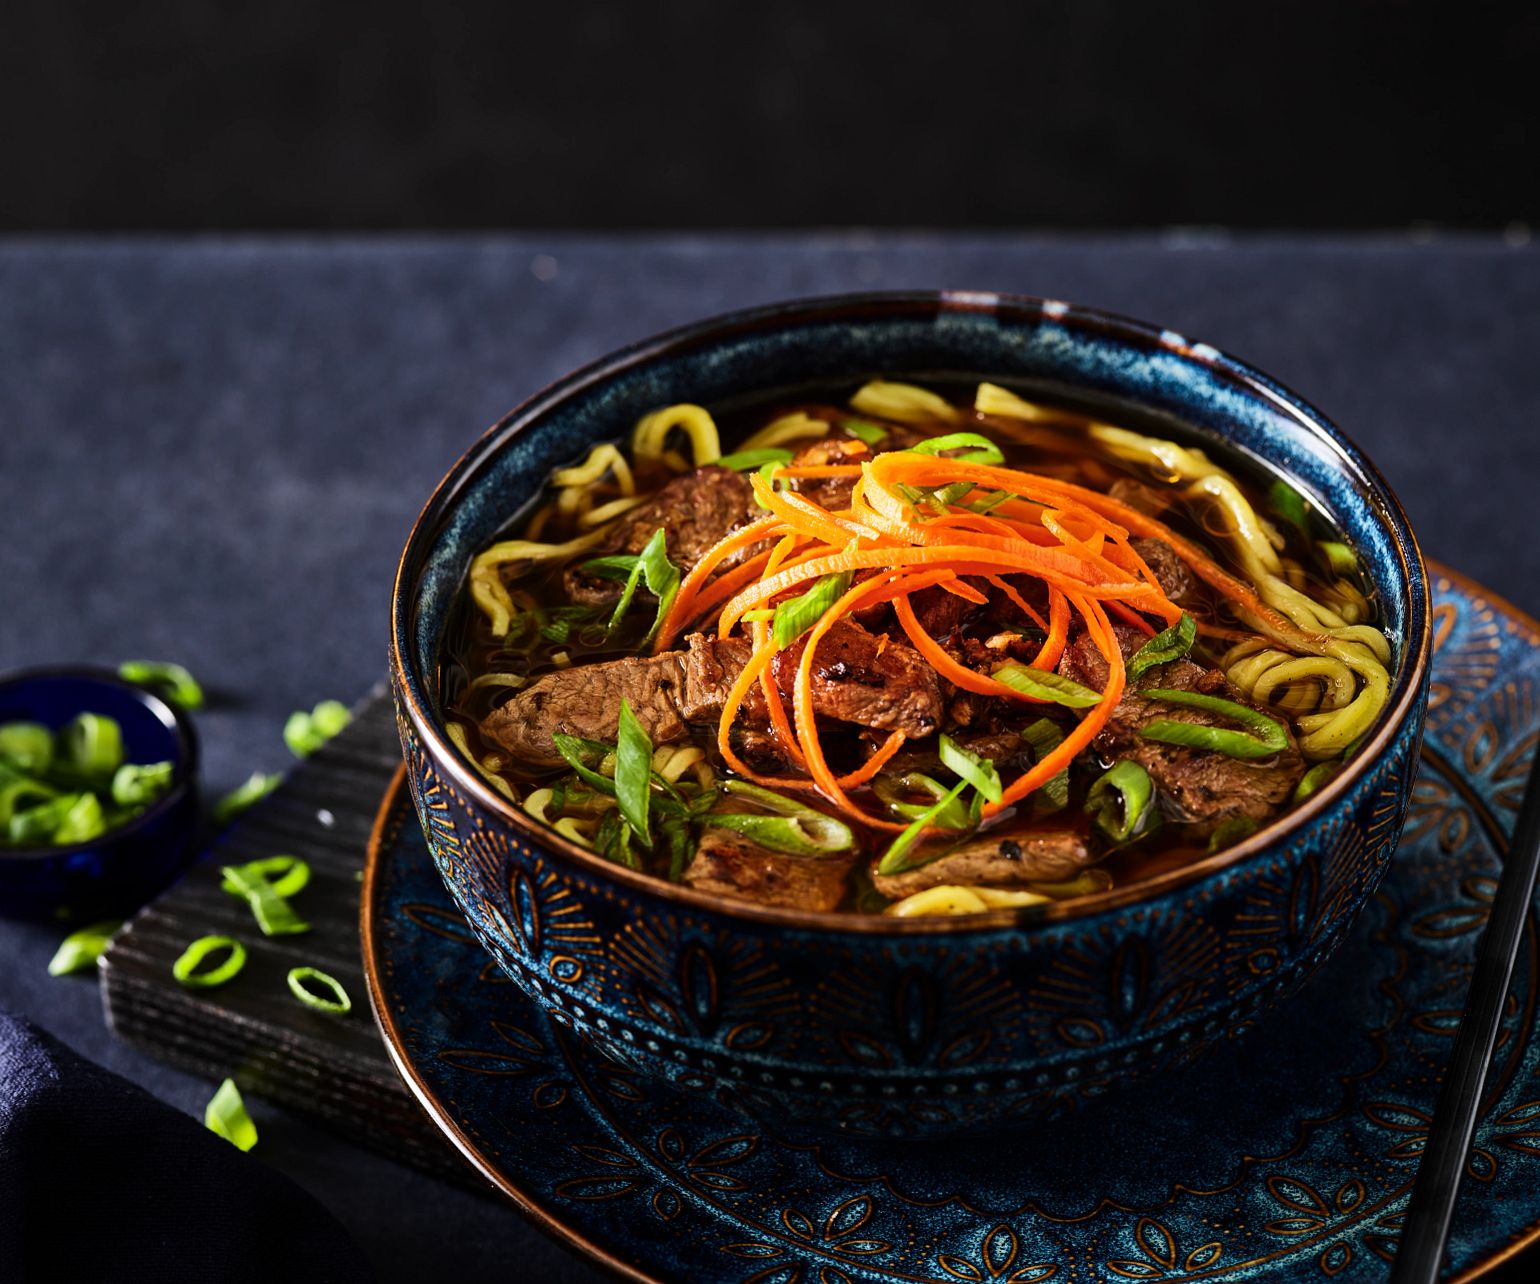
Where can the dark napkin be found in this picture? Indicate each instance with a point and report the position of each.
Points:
(99, 1181)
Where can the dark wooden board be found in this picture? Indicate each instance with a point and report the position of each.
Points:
(333, 1068)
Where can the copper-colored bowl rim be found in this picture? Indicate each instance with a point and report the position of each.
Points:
(1408, 681)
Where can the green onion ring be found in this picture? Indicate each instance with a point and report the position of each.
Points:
(185, 969)
(299, 976)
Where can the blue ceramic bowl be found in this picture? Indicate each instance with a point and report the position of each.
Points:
(123, 868)
(909, 1027)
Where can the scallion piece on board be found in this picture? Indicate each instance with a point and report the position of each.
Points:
(633, 773)
(226, 1115)
(895, 859)
(1044, 684)
(1167, 645)
(170, 680)
(274, 915)
(1122, 801)
(795, 617)
(1269, 735)
(185, 969)
(304, 733)
(80, 949)
(305, 983)
(257, 787)
(287, 875)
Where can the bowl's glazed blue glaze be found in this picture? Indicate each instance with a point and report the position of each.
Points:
(918, 1026)
(123, 868)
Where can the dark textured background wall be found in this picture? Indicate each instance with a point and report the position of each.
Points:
(294, 113)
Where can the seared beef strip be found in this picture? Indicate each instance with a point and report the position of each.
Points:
(1196, 785)
(1001, 857)
(696, 509)
(857, 678)
(1171, 573)
(729, 864)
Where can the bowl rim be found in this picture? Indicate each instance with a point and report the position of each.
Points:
(175, 719)
(1408, 681)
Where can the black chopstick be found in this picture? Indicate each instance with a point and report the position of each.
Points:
(1426, 1228)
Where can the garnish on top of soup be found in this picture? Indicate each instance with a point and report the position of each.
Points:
(911, 657)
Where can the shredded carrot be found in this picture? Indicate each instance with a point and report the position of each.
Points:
(1000, 582)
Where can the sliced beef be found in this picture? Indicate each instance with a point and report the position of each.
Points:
(697, 510)
(939, 612)
(867, 678)
(833, 493)
(585, 701)
(858, 677)
(1001, 858)
(1137, 495)
(1195, 785)
(1170, 571)
(730, 865)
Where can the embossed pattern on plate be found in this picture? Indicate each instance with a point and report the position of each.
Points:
(1287, 1153)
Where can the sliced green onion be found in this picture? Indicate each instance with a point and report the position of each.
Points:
(171, 680)
(1314, 779)
(1122, 801)
(137, 784)
(633, 772)
(92, 745)
(1270, 737)
(744, 461)
(256, 788)
(616, 566)
(1167, 645)
(79, 950)
(978, 772)
(795, 617)
(613, 841)
(865, 431)
(894, 860)
(185, 969)
(778, 803)
(286, 875)
(1044, 684)
(20, 793)
(226, 1116)
(811, 835)
(1342, 559)
(991, 501)
(574, 749)
(954, 816)
(1044, 736)
(986, 451)
(563, 619)
(82, 822)
(1230, 832)
(1289, 504)
(36, 826)
(301, 978)
(660, 575)
(26, 746)
(677, 841)
(304, 733)
(273, 914)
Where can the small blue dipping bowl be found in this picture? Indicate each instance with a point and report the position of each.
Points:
(123, 868)
(914, 1026)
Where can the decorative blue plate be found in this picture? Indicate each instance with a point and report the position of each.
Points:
(1287, 1154)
